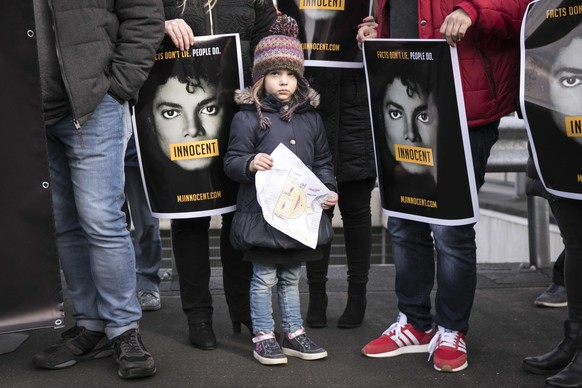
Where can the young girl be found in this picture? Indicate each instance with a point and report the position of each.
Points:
(279, 108)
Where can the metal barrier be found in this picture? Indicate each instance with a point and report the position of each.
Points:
(510, 154)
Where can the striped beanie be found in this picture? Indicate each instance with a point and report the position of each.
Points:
(280, 50)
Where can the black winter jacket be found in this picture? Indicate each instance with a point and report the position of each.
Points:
(250, 18)
(105, 47)
(345, 114)
(304, 135)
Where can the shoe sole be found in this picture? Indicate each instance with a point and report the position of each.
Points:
(403, 350)
(103, 353)
(269, 361)
(304, 356)
(136, 373)
(530, 369)
(202, 347)
(348, 325)
(550, 304)
(151, 308)
(448, 369)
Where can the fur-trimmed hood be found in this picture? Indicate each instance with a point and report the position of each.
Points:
(244, 97)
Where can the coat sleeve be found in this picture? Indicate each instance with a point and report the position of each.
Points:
(141, 30)
(265, 16)
(241, 149)
(495, 17)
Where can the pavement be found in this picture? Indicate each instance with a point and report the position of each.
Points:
(505, 326)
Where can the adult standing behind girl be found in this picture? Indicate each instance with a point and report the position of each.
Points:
(279, 109)
(186, 19)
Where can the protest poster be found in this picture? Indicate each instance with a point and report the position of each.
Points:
(327, 30)
(183, 119)
(551, 93)
(421, 140)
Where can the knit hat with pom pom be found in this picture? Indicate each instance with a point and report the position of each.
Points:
(280, 50)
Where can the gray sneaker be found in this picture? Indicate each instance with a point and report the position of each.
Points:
(149, 300)
(553, 296)
(298, 344)
(132, 357)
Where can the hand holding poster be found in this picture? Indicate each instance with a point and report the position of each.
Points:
(551, 92)
(290, 196)
(420, 131)
(183, 121)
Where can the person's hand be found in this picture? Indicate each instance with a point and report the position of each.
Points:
(366, 30)
(330, 201)
(261, 162)
(455, 26)
(180, 33)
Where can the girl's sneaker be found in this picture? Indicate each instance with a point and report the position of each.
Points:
(298, 344)
(267, 350)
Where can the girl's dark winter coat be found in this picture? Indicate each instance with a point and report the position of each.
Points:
(304, 135)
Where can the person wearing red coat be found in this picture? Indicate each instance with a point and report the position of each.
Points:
(486, 34)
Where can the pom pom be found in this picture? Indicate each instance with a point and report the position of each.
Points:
(285, 25)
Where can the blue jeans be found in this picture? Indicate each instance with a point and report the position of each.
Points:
(147, 241)
(286, 277)
(94, 245)
(413, 248)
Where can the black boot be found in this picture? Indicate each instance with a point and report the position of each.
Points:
(317, 310)
(356, 308)
(236, 326)
(571, 375)
(557, 359)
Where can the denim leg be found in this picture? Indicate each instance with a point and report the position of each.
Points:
(482, 139)
(456, 275)
(288, 297)
(412, 248)
(147, 241)
(94, 245)
(264, 278)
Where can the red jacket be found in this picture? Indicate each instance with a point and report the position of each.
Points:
(488, 54)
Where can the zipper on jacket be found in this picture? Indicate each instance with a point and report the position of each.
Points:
(64, 77)
(487, 68)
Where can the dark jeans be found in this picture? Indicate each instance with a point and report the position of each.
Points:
(568, 214)
(354, 205)
(414, 244)
(190, 242)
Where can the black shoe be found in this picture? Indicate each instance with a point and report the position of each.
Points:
(237, 327)
(77, 344)
(202, 336)
(133, 358)
(570, 376)
(557, 359)
(317, 311)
